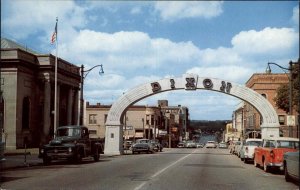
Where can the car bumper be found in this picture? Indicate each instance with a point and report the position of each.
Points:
(249, 157)
(140, 149)
(278, 165)
(57, 153)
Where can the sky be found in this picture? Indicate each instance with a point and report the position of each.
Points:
(139, 42)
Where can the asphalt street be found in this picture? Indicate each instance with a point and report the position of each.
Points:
(171, 169)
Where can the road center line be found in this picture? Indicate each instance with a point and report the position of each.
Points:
(162, 170)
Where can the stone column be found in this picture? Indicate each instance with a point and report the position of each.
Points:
(47, 107)
(58, 105)
(113, 140)
(75, 108)
(269, 131)
(70, 106)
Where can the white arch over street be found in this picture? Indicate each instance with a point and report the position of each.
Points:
(189, 82)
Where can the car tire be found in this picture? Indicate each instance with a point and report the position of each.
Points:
(255, 163)
(286, 174)
(266, 168)
(97, 155)
(46, 160)
(78, 158)
(245, 160)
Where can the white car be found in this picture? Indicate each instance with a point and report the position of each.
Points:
(190, 144)
(222, 145)
(247, 150)
(291, 165)
(211, 144)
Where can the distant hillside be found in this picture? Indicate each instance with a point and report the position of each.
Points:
(208, 126)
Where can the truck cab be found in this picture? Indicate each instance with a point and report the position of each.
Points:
(72, 143)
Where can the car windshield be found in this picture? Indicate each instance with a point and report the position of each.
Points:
(253, 143)
(288, 144)
(142, 141)
(68, 132)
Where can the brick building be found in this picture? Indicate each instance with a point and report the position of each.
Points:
(141, 121)
(266, 85)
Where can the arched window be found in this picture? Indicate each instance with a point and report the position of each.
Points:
(25, 113)
(264, 95)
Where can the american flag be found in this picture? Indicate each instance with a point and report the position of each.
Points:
(53, 38)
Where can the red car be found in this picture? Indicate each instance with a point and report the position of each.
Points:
(270, 154)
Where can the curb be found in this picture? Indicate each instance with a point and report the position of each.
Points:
(16, 153)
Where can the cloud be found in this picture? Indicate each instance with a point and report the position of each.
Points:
(295, 17)
(220, 55)
(120, 49)
(238, 74)
(175, 10)
(269, 41)
(136, 10)
(36, 16)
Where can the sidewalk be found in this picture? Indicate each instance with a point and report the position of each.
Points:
(14, 159)
(20, 158)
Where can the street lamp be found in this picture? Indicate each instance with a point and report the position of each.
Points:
(290, 69)
(143, 128)
(84, 73)
(182, 118)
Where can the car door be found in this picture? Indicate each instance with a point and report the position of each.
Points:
(86, 141)
(259, 152)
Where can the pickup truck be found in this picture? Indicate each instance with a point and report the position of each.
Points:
(72, 143)
(270, 154)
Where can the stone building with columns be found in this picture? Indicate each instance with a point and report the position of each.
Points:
(27, 83)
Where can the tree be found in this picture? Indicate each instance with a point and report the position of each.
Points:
(282, 97)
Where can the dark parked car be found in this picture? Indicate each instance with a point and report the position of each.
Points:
(142, 145)
(73, 143)
(180, 145)
(127, 145)
(291, 166)
(157, 145)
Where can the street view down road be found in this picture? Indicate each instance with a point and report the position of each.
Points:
(174, 169)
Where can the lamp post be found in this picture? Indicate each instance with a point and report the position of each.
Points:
(143, 128)
(182, 118)
(84, 73)
(290, 69)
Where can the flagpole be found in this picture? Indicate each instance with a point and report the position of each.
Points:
(55, 85)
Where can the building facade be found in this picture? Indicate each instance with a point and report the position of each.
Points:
(266, 85)
(27, 83)
(161, 122)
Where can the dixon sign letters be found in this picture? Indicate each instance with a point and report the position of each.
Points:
(191, 84)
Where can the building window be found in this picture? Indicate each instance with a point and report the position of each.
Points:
(281, 119)
(264, 95)
(25, 113)
(105, 118)
(152, 119)
(92, 132)
(92, 119)
(147, 119)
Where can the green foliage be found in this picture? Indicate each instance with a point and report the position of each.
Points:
(282, 98)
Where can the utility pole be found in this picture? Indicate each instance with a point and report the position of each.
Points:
(83, 76)
(143, 128)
